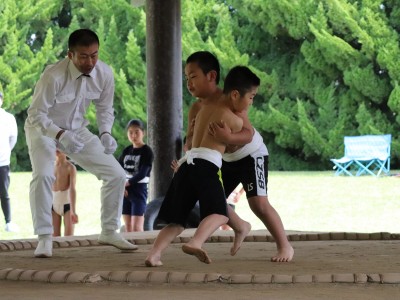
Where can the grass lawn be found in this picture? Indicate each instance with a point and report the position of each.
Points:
(306, 201)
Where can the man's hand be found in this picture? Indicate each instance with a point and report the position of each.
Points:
(220, 131)
(109, 143)
(70, 142)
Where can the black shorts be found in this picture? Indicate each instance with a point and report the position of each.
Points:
(135, 203)
(250, 171)
(193, 182)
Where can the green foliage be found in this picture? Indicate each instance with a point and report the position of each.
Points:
(367, 83)
(29, 42)
(327, 68)
(336, 68)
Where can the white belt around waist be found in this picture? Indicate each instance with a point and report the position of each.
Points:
(246, 150)
(210, 155)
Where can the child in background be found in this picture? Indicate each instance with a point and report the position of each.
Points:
(175, 163)
(64, 195)
(137, 160)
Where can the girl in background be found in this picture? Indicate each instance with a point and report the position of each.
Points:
(137, 160)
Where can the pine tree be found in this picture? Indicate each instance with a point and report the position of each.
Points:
(336, 72)
(328, 68)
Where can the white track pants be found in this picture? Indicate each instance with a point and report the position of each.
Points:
(92, 158)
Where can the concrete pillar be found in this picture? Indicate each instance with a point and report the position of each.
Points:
(164, 89)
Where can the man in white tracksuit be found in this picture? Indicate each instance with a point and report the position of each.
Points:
(56, 119)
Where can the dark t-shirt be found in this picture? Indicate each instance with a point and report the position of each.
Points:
(137, 163)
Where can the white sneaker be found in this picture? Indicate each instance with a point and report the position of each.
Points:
(11, 227)
(116, 240)
(44, 248)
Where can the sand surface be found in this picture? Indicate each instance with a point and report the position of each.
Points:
(325, 266)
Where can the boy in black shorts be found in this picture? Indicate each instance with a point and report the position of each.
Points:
(235, 170)
(197, 178)
(248, 165)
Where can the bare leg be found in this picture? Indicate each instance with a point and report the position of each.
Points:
(240, 227)
(206, 228)
(68, 226)
(138, 223)
(164, 238)
(233, 198)
(128, 223)
(269, 216)
(56, 224)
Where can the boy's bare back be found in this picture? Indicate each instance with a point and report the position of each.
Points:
(214, 112)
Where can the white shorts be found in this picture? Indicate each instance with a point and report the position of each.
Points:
(60, 199)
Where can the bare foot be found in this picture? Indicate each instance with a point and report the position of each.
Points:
(240, 235)
(153, 262)
(284, 255)
(198, 252)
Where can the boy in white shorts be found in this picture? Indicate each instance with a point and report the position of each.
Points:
(64, 195)
(249, 165)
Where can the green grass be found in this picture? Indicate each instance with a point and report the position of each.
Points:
(306, 201)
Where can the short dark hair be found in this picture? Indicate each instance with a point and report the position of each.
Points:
(242, 79)
(207, 62)
(135, 122)
(82, 37)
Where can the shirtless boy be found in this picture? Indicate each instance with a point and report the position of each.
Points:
(202, 73)
(238, 165)
(64, 195)
(197, 178)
